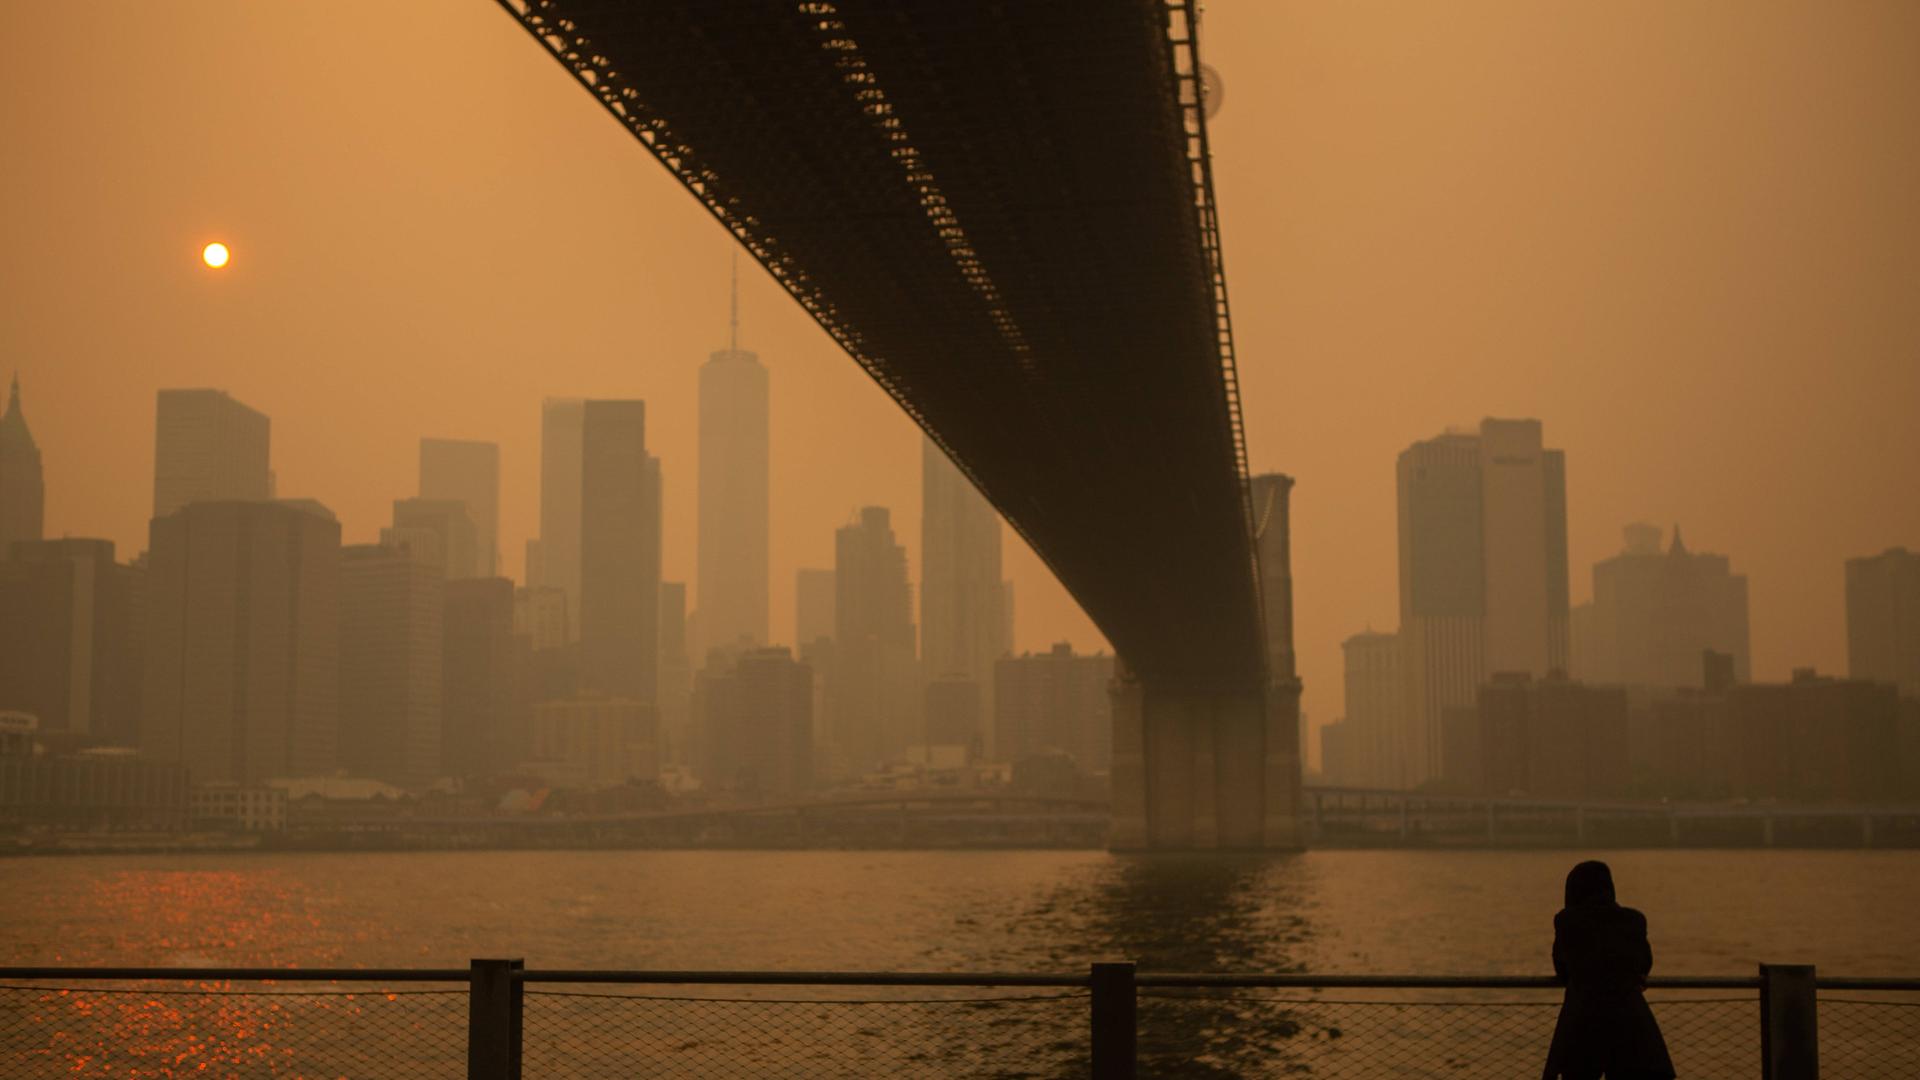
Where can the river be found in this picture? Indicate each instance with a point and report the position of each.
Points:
(1348, 912)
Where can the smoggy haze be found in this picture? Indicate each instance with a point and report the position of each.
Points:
(1686, 237)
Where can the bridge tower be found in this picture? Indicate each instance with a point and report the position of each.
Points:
(1206, 768)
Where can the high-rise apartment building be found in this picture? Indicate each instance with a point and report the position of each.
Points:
(1483, 572)
(1654, 614)
(455, 542)
(1373, 750)
(756, 713)
(1054, 701)
(675, 675)
(962, 631)
(392, 603)
(874, 692)
(731, 588)
(812, 606)
(483, 727)
(557, 562)
(619, 553)
(207, 447)
(1883, 619)
(22, 481)
(243, 640)
(540, 616)
(71, 625)
(467, 472)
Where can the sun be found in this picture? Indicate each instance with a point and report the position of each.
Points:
(215, 255)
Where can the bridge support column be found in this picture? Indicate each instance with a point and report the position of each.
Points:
(1205, 771)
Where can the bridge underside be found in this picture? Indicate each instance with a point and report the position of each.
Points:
(1002, 212)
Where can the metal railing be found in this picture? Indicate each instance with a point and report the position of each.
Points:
(497, 1020)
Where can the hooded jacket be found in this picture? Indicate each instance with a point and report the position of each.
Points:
(1601, 955)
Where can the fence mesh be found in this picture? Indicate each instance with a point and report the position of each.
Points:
(1869, 1036)
(266, 1030)
(625, 1033)
(148, 1030)
(1359, 1035)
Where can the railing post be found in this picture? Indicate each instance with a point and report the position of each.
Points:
(493, 1020)
(1789, 1042)
(1113, 1022)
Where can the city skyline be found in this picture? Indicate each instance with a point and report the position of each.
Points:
(1592, 341)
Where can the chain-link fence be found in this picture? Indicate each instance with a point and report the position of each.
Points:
(626, 1032)
(605, 1024)
(1869, 1035)
(142, 1030)
(1387, 1035)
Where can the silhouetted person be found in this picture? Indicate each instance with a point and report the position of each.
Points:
(1601, 955)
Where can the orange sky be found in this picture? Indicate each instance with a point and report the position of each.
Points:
(1686, 236)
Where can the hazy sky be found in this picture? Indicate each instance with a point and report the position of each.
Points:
(1685, 236)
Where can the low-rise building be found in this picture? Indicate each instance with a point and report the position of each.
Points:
(245, 808)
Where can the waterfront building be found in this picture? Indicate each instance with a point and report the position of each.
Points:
(483, 730)
(71, 628)
(241, 808)
(675, 676)
(392, 608)
(22, 478)
(731, 589)
(1883, 619)
(874, 694)
(1550, 738)
(557, 563)
(1815, 738)
(1483, 572)
(242, 672)
(619, 553)
(99, 788)
(1655, 613)
(596, 741)
(208, 447)
(1373, 751)
(755, 710)
(1054, 702)
(467, 472)
(962, 630)
(455, 540)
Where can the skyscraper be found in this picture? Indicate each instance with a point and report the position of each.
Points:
(1483, 571)
(22, 484)
(1655, 613)
(449, 522)
(731, 591)
(873, 690)
(1883, 619)
(468, 472)
(559, 547)
(392, 606)
(243, 641)
(961, 628)
(619, 552)
(207, 446)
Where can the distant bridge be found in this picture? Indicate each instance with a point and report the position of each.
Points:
(1005, 214)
